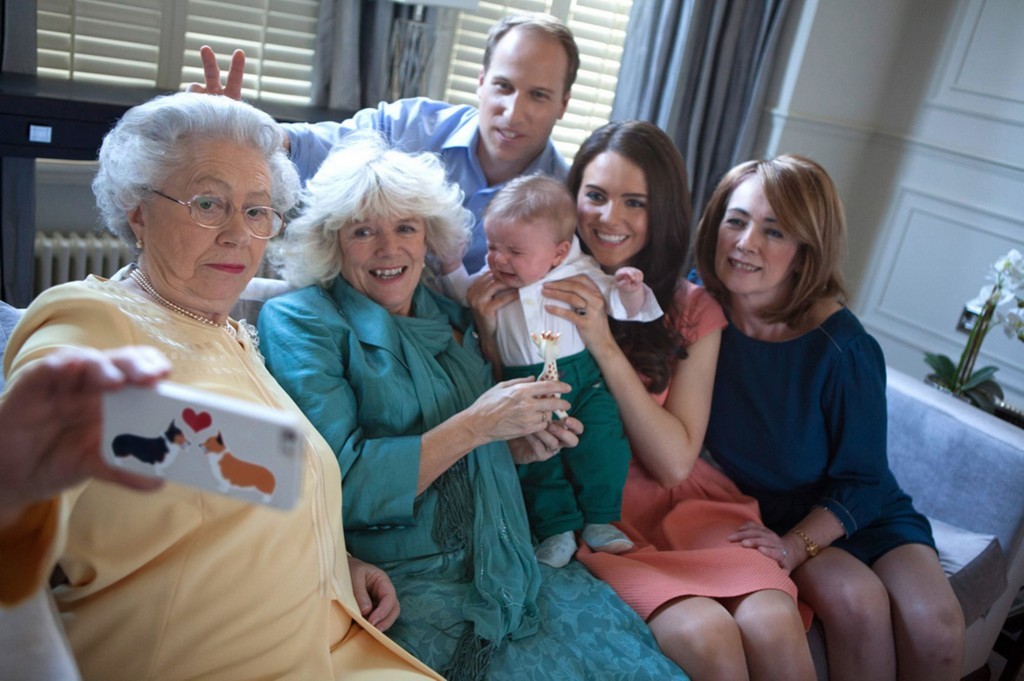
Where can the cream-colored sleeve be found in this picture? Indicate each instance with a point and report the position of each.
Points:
(74, 314)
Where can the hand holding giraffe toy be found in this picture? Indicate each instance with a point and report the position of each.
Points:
(547, 341)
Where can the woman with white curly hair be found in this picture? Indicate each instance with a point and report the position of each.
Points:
(392, 376)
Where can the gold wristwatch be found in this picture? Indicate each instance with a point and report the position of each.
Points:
(810, 544)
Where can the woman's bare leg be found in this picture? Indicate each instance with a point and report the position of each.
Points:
(853, 605)
(701, 636)
(774, 638)
(927, 619)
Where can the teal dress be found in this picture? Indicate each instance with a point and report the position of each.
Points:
(475, 603)
(802, 423)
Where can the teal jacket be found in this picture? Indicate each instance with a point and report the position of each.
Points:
(372, 383)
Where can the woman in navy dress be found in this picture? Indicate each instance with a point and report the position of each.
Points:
(798, 421)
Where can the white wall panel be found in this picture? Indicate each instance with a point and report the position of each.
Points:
(940, 251)
(958, 200)
(982, 71)
(932, 174)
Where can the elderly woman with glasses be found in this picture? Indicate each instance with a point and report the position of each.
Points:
(181, 583)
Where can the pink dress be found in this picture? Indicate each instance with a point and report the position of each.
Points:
(681, 533)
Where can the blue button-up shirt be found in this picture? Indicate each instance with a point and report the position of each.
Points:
(421, 124)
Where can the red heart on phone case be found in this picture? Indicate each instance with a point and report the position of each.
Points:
(197, 421)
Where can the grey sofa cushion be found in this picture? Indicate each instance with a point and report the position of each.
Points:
(257, 291)
(9, 317)
(958, 463)
(976, 566)
(961, 466)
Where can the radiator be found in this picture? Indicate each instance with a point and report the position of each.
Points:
(63, 257)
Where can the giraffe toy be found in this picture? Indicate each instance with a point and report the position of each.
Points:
(547, 342)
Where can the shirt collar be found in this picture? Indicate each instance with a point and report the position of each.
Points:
(466, 135)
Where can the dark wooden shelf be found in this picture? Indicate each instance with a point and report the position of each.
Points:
(79, 114)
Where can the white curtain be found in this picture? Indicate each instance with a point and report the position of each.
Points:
(698, 69)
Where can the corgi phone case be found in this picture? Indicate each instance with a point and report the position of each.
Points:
(243, 450)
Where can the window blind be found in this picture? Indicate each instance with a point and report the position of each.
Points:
(155, 43)
(600, 30)
(93, 40)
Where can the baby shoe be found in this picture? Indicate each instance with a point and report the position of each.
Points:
(606, 538)
(557, 550)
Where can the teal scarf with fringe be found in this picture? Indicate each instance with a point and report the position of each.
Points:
(480, 507)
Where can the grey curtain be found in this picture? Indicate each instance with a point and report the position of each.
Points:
(357, 64)
(699, 69)
(17, 175)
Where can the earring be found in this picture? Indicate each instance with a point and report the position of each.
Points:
(138, 244)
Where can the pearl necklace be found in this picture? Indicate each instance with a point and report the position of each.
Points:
(142, 280)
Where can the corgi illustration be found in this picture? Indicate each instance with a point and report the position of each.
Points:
(159, 452)
(231, 471)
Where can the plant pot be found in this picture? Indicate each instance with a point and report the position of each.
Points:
(1010, 414)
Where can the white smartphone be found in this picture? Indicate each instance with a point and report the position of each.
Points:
(244, 450)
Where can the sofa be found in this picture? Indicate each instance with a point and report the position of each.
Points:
(963, 467)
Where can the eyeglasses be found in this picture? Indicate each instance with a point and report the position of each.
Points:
(213, 212)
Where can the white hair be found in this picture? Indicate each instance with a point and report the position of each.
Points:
(153, 140)
(364, 179)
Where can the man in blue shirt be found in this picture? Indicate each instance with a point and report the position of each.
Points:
(530, 63)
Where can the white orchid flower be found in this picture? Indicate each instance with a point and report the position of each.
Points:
(1007, 277)
(1008, 272)
(990, 293)
(1013, 323)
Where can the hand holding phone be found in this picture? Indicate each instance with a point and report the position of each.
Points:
(244, 450)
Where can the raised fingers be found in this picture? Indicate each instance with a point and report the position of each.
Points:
(211, 74)
(233, 87)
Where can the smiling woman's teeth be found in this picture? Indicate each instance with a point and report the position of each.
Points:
(612, 238)
(743, 266)
(389, 273)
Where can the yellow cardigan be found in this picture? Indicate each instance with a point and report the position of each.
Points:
(182, 583)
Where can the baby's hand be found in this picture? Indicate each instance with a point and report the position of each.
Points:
(628, 279)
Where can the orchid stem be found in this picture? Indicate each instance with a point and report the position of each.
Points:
(965, 368)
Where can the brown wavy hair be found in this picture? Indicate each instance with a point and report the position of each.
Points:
(808, 208)
(653, 348)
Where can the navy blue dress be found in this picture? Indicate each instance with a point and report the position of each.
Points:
(802, 423)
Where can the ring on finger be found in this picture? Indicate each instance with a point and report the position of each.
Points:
(581, 311)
